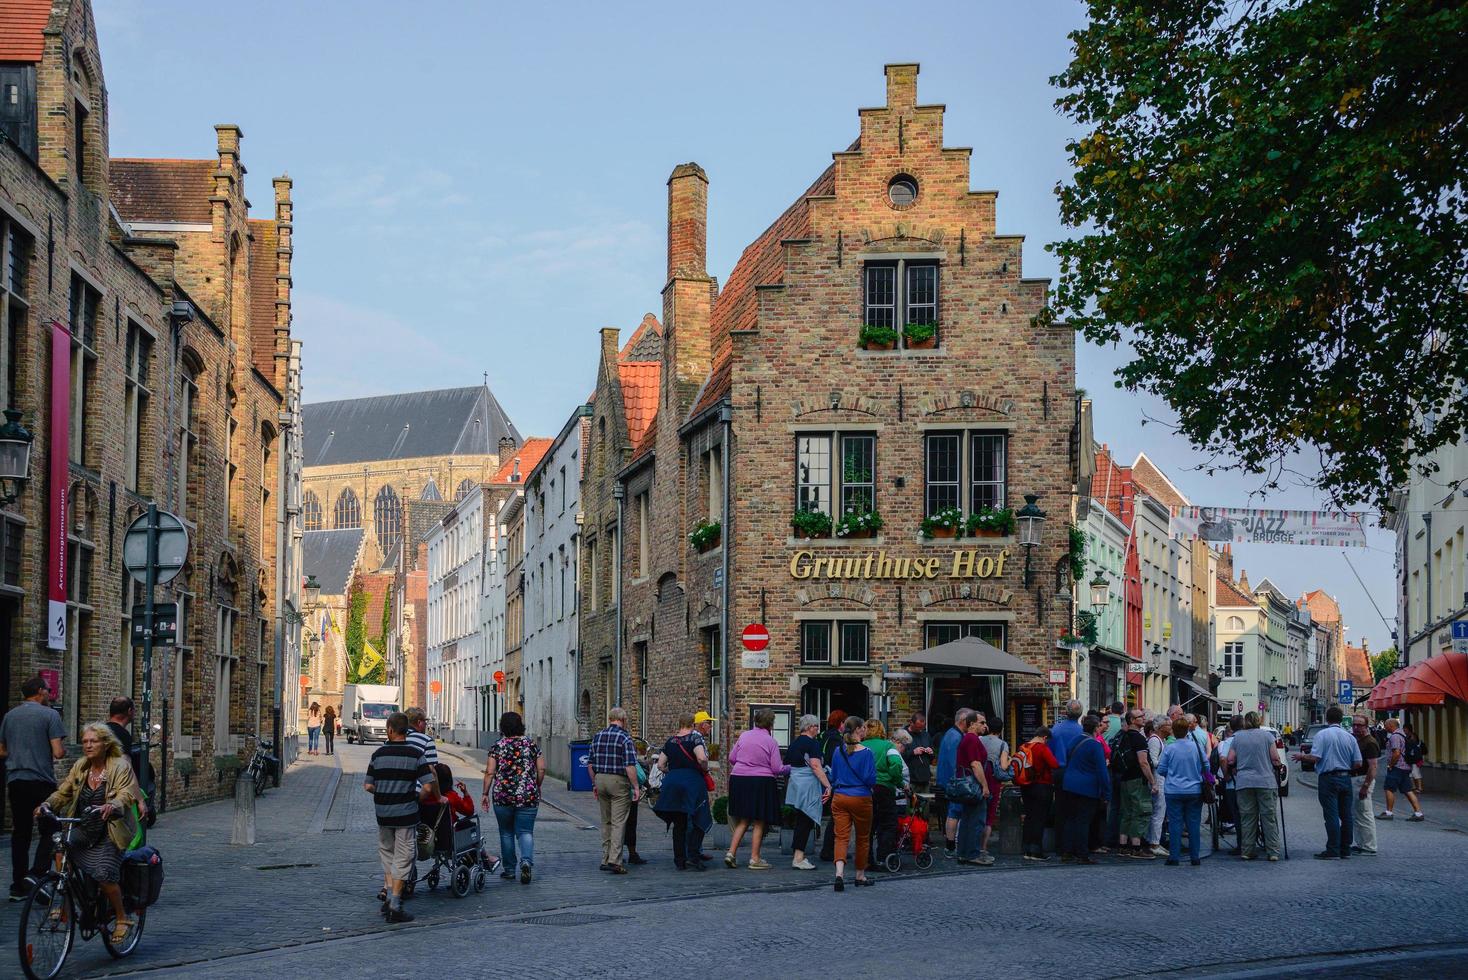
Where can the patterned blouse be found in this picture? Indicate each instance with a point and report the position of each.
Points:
(514, 772)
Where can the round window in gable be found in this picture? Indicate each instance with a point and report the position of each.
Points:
(902, 191)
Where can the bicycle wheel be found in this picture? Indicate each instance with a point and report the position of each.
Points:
(129, 943)
(47, 929)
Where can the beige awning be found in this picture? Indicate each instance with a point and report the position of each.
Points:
(970, 653)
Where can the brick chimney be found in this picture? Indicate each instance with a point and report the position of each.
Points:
(506, 447)
(688, 202)
(1226, 562)
(901, 86)
(689, 295)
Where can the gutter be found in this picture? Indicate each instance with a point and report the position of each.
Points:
(727, 530)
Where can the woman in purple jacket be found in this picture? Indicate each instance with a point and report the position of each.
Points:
(756, 763)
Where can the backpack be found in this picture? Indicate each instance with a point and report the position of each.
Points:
(1416, 751)
(1023, 765)
(1119, 756)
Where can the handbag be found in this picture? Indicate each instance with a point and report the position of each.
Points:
(963, 790)
(1209, 794)
(708, 779)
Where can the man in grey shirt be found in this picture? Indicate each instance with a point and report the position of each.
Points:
(30, 743)
(1251, 758)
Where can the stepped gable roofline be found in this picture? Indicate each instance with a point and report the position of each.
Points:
(523, 462)
(176, 191)
(1156, 484)
(446, 422)
(330, 556)
(23, 30)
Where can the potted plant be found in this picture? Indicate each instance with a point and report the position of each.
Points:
(864, 524)
(943, 523)
(705, 535)
(185, 768)
(1086, 626)
(811, 524)
(990, 522)
(920, 336)
(718, 835)
(873, 337)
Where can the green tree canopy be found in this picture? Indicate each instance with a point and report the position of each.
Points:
(1270, 201)
(1383, 663)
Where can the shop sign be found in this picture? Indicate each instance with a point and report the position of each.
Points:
(880, 565)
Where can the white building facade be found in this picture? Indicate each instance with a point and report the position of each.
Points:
(1167, 602)
(454, 637)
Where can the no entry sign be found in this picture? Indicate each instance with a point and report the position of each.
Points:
(756, 637)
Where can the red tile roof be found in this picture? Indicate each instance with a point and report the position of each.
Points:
(527, 456)
(262, 295)
(163, 190)
(1230, 597)
(21, 24)
(649, 440)
(640, 380)
(763, 263)
(1155, 484)
(1323, 609)
(1358, 667)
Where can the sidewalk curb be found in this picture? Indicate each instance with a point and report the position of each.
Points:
(458, 752)
(328, 796)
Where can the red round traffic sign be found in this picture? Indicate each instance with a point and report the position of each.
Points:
(756, 637)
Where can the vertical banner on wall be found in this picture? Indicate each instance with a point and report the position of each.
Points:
(59, 440)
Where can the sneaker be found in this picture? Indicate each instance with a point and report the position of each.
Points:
(1246, 857)
(984, 858)
(1142, 854)
(1195, 862)
(729, 861)
(1275, 857)
(398, 915)
(803, 865)
(617, 869)
(1416, 818)
(524, 872)
(950, 852)
(604, 867)
(1159, 850)
(1034, 857)
(18, 893)
(1385, 815)
(760, 865)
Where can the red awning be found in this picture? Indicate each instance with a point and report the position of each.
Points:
(1447, 673)
(1425, 684)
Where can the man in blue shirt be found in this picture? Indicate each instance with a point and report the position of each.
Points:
(1336, 755)
(943, 773)
(1066, 733)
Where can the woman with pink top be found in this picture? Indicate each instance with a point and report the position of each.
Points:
(756, 762)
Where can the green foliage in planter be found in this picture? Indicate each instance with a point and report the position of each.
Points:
(991, 519)
(1086, 626)
(850, 524)
(1077, 553)
(184, 767)
(720, 809)
(948, 517)
(920, 333)
(705, 535)
(874, 336)
(811, 523)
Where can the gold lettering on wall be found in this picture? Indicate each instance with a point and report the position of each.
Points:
(880, 565)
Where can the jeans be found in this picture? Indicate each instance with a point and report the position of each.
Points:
(688, 840)
(1184, 812)
(25, 795)
(971, 829)
(313, 738)
(1037, 799)
(330, 739)
(1080, 811)
(1258, 808)
(1334, 789)
(884, 821)
(516, 823)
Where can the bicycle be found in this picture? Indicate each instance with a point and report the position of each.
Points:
(63, 900)
(263, 765)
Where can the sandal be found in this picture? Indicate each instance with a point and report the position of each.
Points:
(120, 929)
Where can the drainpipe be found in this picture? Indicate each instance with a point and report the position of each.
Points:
(619, 494)
(1426, 582)
(727, 531)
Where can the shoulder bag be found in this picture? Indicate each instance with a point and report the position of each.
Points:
(708, 779)
(1209, 796)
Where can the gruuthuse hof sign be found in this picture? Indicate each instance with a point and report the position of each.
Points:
(880, 565)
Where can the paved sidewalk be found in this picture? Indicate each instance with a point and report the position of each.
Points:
(1450, 812)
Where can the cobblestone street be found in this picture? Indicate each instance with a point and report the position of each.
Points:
(302, 899)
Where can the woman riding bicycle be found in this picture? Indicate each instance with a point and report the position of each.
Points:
(103, 779)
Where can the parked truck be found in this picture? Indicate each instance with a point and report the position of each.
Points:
(365, 708)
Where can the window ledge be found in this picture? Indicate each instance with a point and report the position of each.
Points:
(967, 540)
(901, 351)
(716, 550)
(875, 542)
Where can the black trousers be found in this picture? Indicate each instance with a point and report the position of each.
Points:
(884, 822)
(25, 795)
(629, 836)
(330, 732)
(687, 840)
(1038, 800)
(1080, 811)
(804, 825)
(828, 840)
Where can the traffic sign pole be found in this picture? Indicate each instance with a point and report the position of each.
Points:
(150, 582)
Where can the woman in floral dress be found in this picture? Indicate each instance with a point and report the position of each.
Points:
(512, 777)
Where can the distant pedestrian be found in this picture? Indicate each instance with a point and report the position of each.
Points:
(920, 755)
(683, 800)
(1335, 755)
(399, 779)
(889, 784)
(1154, 729)
(755, 763)
(997, 749)
(1363, 826)
(1182, 767)
(1398, 773)
(31, 737)
(1416, 755)
(1252, 760)
(612, 760)
(418, 735)
(513, 775)
(1085, 786)
(1035, 775)
(831, 740)
(973, 761)
(809, 787)
(853, 777)
(328, 719)
(943, 772)
(313, 728)
(1135, 780)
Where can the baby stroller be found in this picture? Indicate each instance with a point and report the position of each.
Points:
(453, 846)
(912, 838)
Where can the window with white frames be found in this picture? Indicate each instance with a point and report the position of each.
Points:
(835, 643)
(644, 512)
(713, 471)
(80, 549)
(1233, 659)
(965, 469)
(714, 656)
(899, 293)
(230, 469)
(84, 303)
(851, 482)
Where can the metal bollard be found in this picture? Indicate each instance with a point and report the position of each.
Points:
(244, 810)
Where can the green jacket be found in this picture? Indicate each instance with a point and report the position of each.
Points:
(889, 766)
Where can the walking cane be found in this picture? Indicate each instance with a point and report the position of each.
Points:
(1284, 838)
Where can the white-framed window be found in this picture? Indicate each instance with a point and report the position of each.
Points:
(1233, 659)
(784, 721)
(84, 303)
(901, 292)
(965, 469)
(230, 469)
(936, 634)
(79, 610)
(186, 439)
(850, 479)
(594, 578)
(713, 653)
(835, 642)
(1235, 624)
(713, 470)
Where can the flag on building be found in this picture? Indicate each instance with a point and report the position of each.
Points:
(370, 659)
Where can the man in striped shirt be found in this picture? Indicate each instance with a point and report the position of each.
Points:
(418, 735)
(398, 777)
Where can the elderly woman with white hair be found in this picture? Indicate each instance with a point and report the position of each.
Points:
(809, 787)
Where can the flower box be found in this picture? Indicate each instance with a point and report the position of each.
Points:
(920, 336)
(943, 524)
(705, 535)
(811, 524)
(877, 338)
(865, 524)
(990, 523)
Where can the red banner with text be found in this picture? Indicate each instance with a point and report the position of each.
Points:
(59, 441)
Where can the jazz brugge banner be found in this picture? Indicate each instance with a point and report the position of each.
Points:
(1247, 525)
(60, 448)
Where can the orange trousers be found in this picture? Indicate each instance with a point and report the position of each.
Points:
(847, 811)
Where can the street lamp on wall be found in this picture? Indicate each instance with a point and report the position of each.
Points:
(1100, 590)
(1031, 519)
(15, 456)
(312, 590)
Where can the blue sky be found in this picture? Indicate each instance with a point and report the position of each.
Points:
(480, 187)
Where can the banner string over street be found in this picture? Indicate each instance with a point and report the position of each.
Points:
(1250, 525)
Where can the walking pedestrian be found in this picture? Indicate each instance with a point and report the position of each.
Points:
(999, 761)
(1363, 781)
(1035, 773)
(418, 735)
(513, 775)
(831, 740)
(943, 773)
(683, 800)
(1086, 784)
(30, 743)
(1252, 759)
(1182, 767)
(119, 722)
(1335, 755)
(1398, 773)
(313, 728)
(612, 760)
(754, 801)
(400, 779)
(1135, 781)
(809, 788)
(919, 755)
(1155, 744)
(853, 777)
(973, 760)
(884, 796)
(1416, 754)
(328, 726)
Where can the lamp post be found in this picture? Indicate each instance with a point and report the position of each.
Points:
(1031, 520)
(312, 591)
(1100, 590)
(15, 456)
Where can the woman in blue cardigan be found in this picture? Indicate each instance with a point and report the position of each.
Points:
(1181, 767)
(1086, 784)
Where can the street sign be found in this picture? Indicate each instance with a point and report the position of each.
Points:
(1239, 706)
(1262, 706)
(756, 637)
(1058, 677)
(165, 624)
(1460, 636)
(173, 548)
(1345, 695)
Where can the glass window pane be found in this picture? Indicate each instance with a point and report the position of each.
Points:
(942, 473)
(815, 642)
(989, 471)
(813, 473)
(881, 296)
(922, 294)
(854, 641)
(858, 474)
